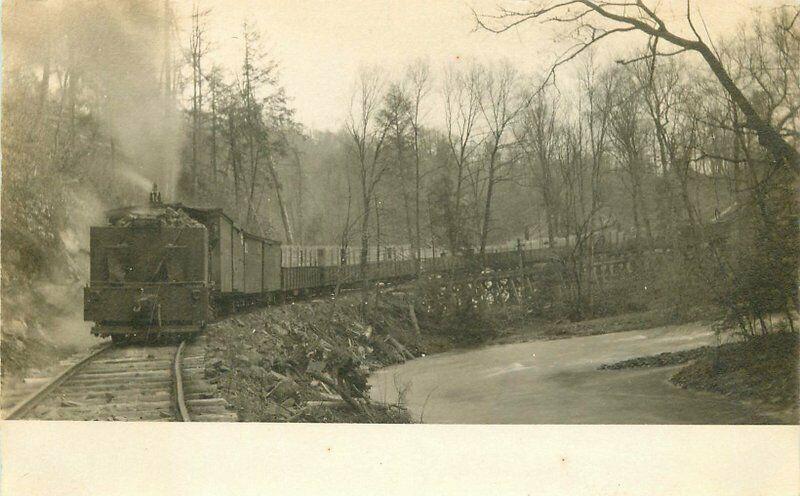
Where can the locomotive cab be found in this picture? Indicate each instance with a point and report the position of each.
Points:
(148, 273)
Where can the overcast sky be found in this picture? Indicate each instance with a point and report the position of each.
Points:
(320, 45)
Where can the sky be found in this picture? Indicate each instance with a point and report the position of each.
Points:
(320, 46)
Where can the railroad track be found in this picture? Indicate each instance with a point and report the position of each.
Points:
(129, 382)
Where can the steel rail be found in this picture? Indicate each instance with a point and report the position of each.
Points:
(25, 406)
(180, 403)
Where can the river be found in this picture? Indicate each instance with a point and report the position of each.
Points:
(557, 382)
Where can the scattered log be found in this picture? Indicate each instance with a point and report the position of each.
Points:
(388, 348)
(327, 404)
(330, 397)
(402, 349)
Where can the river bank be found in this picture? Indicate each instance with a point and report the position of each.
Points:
(762, 370)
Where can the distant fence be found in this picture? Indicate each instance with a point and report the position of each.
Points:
(499, 255)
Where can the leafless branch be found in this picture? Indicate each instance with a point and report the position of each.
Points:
(650, 56)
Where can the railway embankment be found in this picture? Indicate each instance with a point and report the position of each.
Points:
(309, 361)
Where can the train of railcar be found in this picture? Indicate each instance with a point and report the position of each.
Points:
(171, 269)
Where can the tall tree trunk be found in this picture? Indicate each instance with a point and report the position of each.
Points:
(635, 209)
(487, 210)
(417, 238)
(457, 217)
(407, 213)
(549, 208)
(364, 254)
(377, 230)
(300, 207)
(487, 214)
(214, 133)
(287, 227)
(232, 152)
(44, 85)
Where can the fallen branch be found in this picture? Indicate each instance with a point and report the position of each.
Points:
(402, 349)
(326, 404)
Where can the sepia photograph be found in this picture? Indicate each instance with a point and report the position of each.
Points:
(518, 212)
(360, 247)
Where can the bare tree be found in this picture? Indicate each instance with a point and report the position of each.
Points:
(665, 94)
(418, 75)
(630, 136)
(462, 97)
(582, 166)
(593, 21)
(539, 137)
(395, 115)
(367, 139)
(500, 105)
(266, 120)
(198, 48)
(234, 155)
(214, 79)
(253, 76)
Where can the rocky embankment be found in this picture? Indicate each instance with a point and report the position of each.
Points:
(309, 362)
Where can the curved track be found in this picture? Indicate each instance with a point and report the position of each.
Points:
(129, 382)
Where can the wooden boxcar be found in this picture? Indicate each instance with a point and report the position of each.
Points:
(242, 266)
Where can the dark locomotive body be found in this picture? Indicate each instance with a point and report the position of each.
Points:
(168, 269)
(147, 278)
